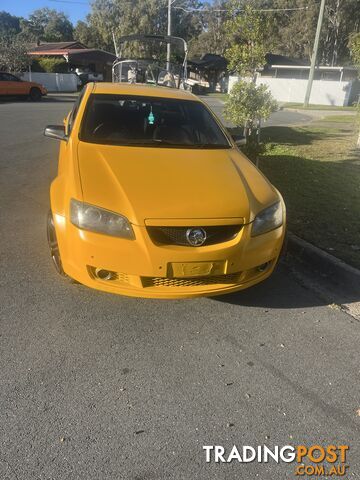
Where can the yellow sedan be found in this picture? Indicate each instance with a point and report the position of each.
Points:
(154, 199)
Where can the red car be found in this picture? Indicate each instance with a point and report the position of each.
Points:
(10, 85)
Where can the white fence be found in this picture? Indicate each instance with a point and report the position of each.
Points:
(54, 82)
(324, 92)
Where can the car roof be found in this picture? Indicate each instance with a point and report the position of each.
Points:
(142, 90)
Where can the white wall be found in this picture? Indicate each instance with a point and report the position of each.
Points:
(54, 82)
(232, 80)
(324, 92)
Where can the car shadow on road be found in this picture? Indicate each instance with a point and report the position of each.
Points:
(292, 287)
(50, 99)
(60, 99)
(278, 291)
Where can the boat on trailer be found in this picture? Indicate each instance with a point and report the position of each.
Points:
(150, 70)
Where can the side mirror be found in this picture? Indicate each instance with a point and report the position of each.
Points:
(55, 131)
(239, 139)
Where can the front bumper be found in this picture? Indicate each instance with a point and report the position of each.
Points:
(142, 269)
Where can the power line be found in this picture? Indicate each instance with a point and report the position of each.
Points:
(70, 1)
(194, 10)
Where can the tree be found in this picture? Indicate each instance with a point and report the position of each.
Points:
(86, 35)
(47, 25)
(122, 17)
(13, 55)
(187, 24)
(248, 103)
(125, 17)
(354, 46)
(293, 30)
(9, 25)
(341, 18)
(246, 32)
(212, 38)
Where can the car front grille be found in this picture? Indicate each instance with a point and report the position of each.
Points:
(177, 235)
(232, 278)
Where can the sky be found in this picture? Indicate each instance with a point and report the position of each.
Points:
(75, 9)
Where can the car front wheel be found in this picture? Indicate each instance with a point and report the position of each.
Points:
(54, 247)
(35, 94)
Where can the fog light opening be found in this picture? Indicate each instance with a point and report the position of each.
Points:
(102, 274)
(263, 267)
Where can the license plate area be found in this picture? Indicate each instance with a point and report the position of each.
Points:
(196, 269)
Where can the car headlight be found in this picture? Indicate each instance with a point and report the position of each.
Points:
(268, 219)
(95, 219)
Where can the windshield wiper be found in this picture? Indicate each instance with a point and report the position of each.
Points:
(210, 145)
(191, 145)
(166, 142)
(161, 141)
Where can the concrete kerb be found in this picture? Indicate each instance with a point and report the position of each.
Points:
(335, 279)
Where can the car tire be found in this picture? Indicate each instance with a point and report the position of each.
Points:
(283, 252)
(35, 94)
(54, 248)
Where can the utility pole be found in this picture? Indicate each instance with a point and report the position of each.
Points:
(115, 44)
(168, 46)
(314, 54)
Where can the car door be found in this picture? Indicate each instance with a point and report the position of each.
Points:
(3, 84)
(14, 85)
(68, 123)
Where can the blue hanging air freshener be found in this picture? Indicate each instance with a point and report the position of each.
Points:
(151, 118)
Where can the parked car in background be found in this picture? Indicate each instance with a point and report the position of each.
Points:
(10, 85)
(86, 76)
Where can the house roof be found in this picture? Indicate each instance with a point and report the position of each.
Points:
(317, 67)
(275, 59)
(56, 47)
(209, 61)
(91, 55)
(73, 51)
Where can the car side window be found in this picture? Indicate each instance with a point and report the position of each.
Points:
(2, 79)
(7, 77)
(74, 111)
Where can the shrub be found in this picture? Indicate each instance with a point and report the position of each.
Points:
(249, 103)
(52, 65)
(246, 106)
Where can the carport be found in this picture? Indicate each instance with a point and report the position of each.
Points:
(76, 55)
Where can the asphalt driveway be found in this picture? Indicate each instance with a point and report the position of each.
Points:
(97, 386)
(279, 118)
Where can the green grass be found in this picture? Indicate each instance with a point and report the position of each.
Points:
(339, 118)
(316, 107)
(220, 96)
(317, 169)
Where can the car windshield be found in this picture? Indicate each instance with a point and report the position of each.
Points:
(150, 121)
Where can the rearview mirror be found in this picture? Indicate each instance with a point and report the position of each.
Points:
(239, 139)
(55, 131)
